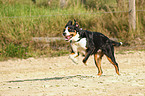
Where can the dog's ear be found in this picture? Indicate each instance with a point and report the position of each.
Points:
(69, 22)
(75, 20)
(76, 23)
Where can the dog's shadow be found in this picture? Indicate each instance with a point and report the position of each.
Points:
(53, 78)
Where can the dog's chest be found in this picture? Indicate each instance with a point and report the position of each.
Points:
(81, 43)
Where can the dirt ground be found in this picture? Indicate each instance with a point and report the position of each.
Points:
(59, 76)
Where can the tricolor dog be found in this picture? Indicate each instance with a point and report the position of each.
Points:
(90, 43)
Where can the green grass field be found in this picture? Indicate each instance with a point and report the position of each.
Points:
(21, 20)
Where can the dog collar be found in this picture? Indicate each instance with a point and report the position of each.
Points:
(74, 41)
(78, 40)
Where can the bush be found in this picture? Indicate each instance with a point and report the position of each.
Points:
(12, 50)
(46, 20)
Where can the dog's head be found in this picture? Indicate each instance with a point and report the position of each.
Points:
(70, 30)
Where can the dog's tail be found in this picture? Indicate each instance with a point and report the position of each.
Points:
(114, 43)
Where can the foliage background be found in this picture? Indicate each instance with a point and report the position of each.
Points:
(21, 20)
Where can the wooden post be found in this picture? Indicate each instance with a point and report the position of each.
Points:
(132, 15)
(62, 3)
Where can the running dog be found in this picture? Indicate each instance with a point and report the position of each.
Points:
(91, 43)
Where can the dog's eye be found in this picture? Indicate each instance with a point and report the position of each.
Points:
(72, 34)
(70, 29)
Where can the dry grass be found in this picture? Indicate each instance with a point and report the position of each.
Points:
(29, 20)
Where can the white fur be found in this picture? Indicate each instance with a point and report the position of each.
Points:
(75, 38)
(66, 31)
(77, 46)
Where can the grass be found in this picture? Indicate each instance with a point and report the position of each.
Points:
(20, 20)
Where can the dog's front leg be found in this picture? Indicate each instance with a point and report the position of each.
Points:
(87, 56)
(74, 54)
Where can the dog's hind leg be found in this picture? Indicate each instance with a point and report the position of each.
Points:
(97, 59)
(112, 60)
(110, 56)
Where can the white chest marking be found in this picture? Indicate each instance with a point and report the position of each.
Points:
(75, 38)
(82, 43)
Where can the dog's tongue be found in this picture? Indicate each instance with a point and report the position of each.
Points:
(67, 38)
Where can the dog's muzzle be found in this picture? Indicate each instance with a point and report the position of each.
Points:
(67, 38)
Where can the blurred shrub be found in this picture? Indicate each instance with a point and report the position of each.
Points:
(45, 19)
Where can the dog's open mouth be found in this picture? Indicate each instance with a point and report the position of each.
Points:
(67, 38)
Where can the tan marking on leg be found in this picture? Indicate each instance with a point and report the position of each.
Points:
(72, 53)
(98, 63)
(116, 68)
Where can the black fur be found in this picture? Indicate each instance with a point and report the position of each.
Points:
(96, 41)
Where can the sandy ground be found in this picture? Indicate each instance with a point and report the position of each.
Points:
(59, 76)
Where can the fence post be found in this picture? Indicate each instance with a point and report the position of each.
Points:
(132, 15)
(62, 3)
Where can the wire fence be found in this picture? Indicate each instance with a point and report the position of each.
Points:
(35, 16)
(30, 2)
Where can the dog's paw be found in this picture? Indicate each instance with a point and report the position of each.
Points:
(85, 64)
(73, 59)
(84, 61)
